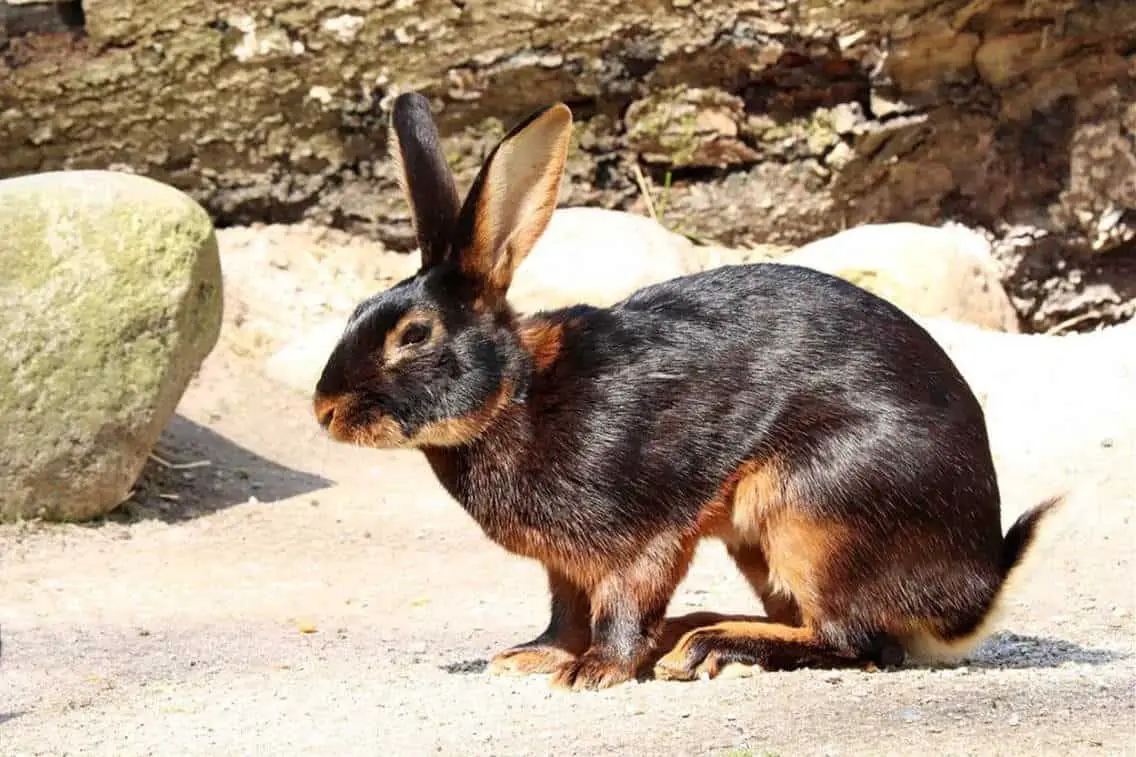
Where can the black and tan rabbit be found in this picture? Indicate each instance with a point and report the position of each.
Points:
(815, 429)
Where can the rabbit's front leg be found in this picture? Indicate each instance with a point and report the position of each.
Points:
(567, 636)
(628, 608)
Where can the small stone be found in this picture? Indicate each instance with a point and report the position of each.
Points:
(883, 106)
(320, 94)
(737, 670)
(846, 117)
(910, 715)
(839, 156)
(848, 40)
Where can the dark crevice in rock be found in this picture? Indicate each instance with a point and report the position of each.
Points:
(1055, 288)
(31, 31)
(798, 85)
(44, 17)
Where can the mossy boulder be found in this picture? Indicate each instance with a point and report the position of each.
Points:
(111, 295)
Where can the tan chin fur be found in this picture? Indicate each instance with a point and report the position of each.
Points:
(385, 433)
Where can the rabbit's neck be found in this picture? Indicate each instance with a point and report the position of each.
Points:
(502, 476)
(491, 476)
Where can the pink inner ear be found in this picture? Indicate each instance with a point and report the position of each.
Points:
(519, 195)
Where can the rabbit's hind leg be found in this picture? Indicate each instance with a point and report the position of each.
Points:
(780, 606)
(770, 646)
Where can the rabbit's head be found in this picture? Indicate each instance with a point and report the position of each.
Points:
(431, 361)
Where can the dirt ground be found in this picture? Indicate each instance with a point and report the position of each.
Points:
(279, 594)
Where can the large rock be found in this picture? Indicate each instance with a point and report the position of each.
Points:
(597, 257)
(928, 271)
(111, 298)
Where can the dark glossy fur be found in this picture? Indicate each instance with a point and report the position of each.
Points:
(816, 429)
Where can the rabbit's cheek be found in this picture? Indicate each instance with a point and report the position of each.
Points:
(461, 429)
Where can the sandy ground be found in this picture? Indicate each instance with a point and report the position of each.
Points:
(295, 596)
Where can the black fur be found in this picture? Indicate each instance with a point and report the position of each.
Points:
(655, 402)
(429, 182)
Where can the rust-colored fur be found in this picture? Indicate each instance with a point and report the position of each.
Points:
(541, 339)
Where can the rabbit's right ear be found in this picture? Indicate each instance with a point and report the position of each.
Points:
(425, 176)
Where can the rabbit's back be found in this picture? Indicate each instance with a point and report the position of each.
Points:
(642, 413)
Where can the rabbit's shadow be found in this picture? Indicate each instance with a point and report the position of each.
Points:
(1002, 650)
(1017, 652)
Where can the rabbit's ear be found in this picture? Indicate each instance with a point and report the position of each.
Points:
(513, 199)
(425, 177)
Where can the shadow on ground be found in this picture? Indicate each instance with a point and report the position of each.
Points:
(194, 471)
(1011, 651)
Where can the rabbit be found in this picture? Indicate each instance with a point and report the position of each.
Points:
(815, 429)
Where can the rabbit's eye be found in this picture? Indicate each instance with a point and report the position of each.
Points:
(415, 333)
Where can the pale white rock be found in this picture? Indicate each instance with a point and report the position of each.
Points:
(598, 257)
(945, 272)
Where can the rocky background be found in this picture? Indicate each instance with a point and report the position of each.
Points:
(753, 122)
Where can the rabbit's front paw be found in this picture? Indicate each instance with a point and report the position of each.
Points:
(592, 671)
(527, 660)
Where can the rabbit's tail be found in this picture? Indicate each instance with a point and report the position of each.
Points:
(1021, 535)
(944, 645)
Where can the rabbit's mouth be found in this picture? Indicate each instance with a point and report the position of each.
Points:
(349, 420)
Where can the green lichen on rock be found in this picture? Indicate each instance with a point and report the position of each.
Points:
(684, 127)
(112, 298)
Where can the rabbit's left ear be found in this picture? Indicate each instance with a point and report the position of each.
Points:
(512, 199)
(424, 175)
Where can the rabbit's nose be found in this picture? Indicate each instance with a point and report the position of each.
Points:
(325, 411)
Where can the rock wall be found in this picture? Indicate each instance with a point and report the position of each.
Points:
(773, 121)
